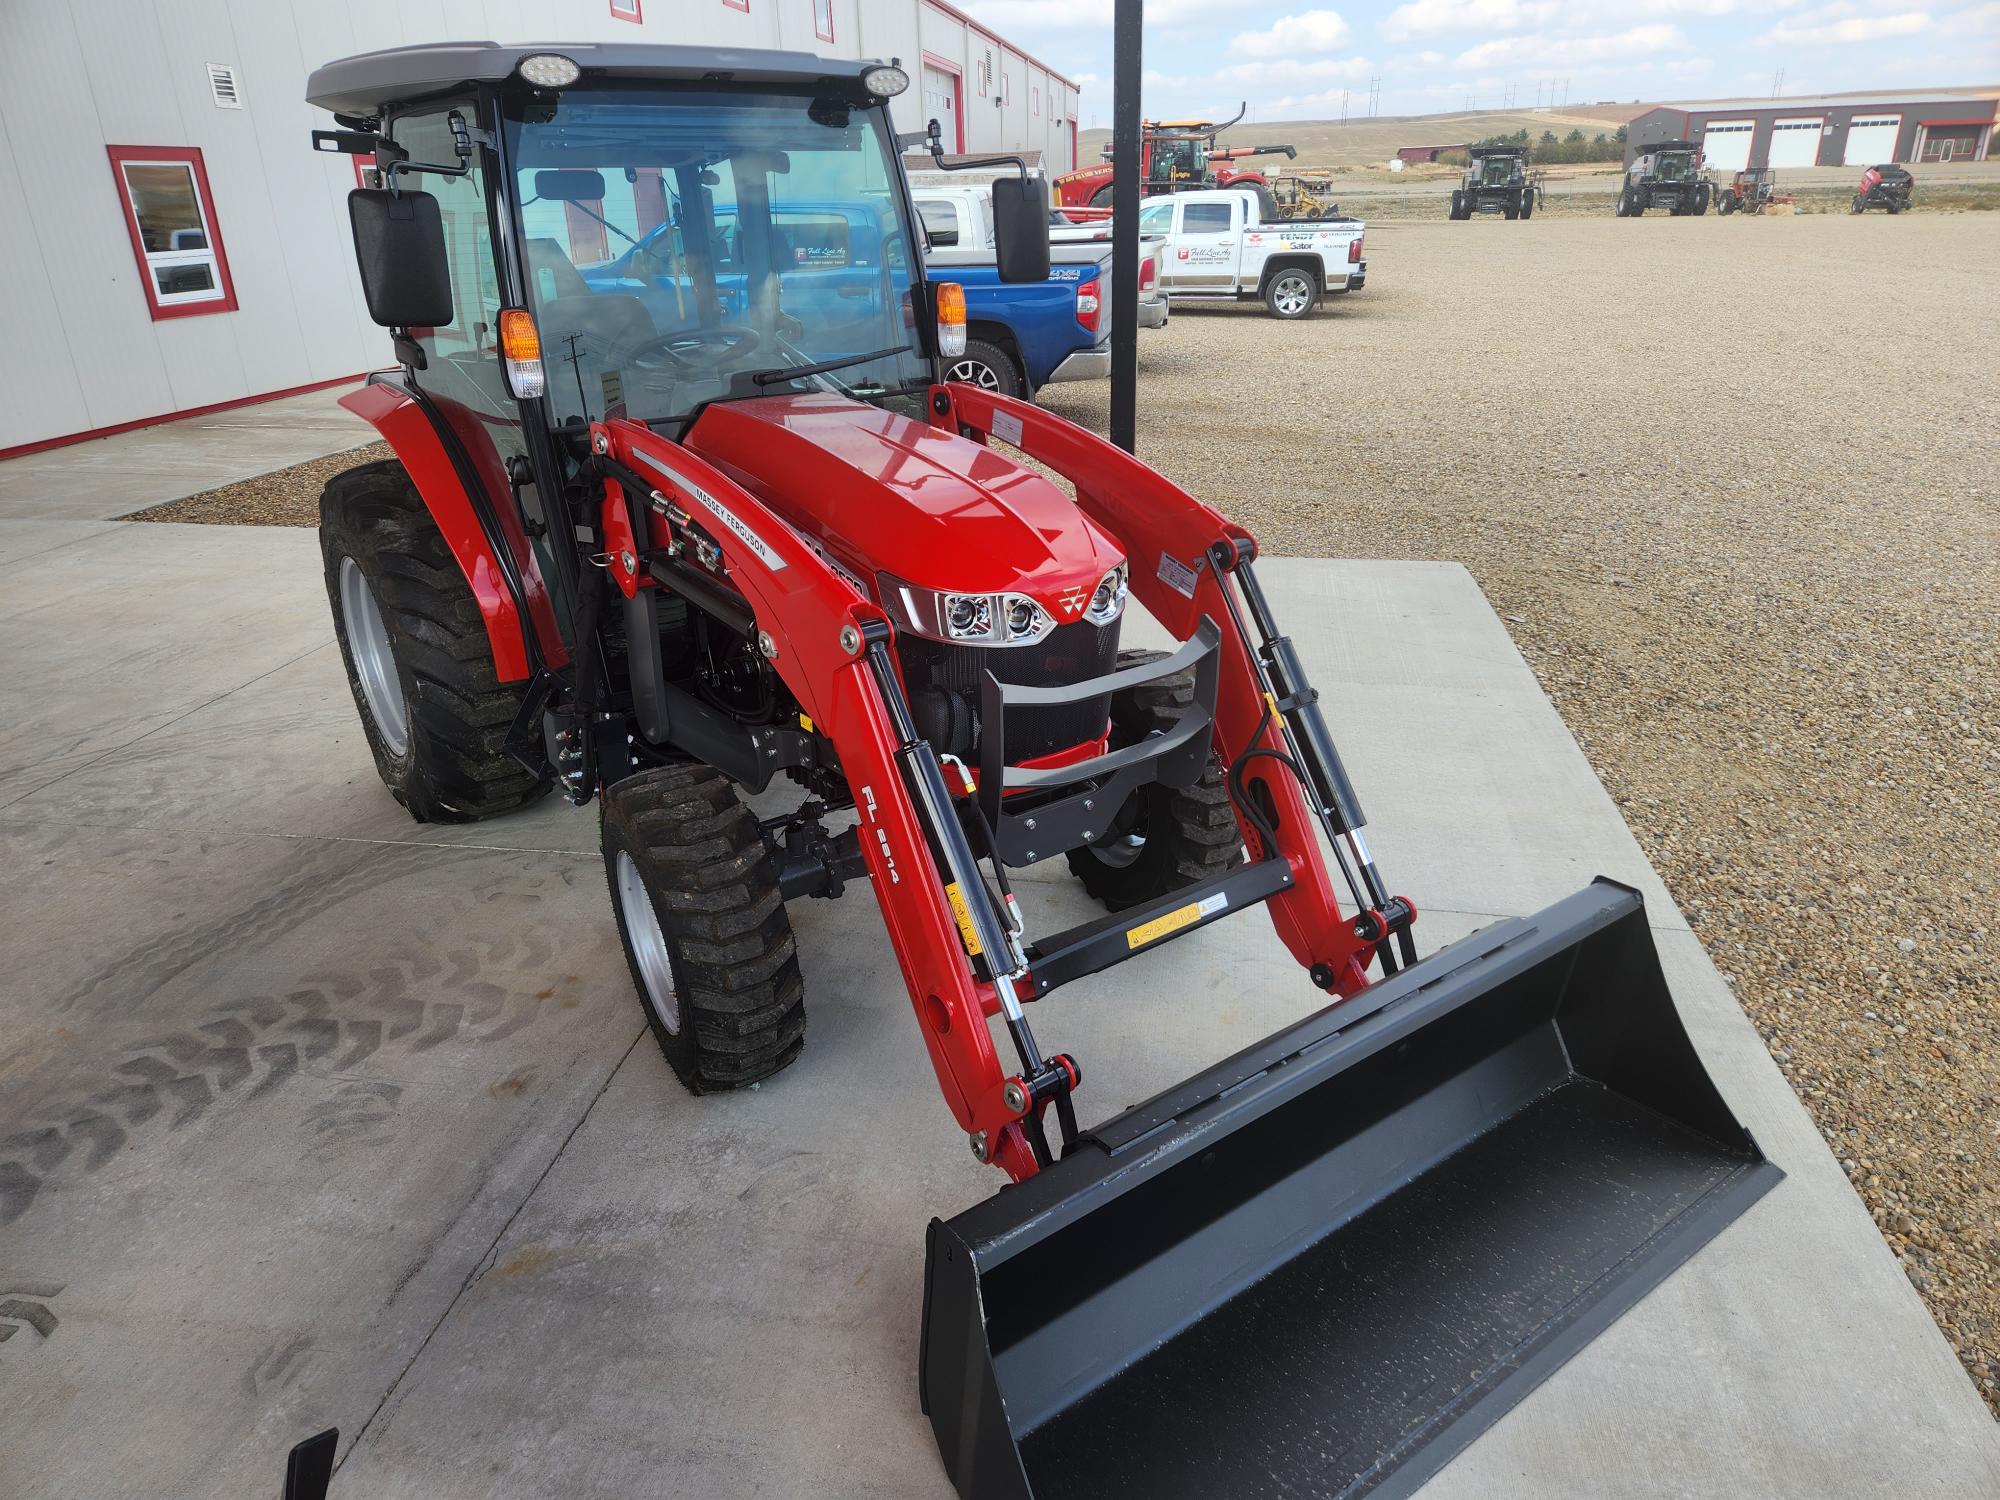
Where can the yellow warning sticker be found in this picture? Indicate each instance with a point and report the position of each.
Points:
(959, 910)
(1174, 921)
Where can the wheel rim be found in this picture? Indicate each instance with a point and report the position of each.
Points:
(974, 372)
(374, 661)
(649, 945)
(1291, 295)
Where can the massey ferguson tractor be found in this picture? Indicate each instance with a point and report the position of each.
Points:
(1665, 176)
(1174, 157)
(713, 545)
(1496, 182)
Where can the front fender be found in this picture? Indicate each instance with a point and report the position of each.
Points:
(455, 500)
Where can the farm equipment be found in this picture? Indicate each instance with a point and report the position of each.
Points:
(1496, 181)
(1887, 186)
(1303, 195)
(660, 550)
(1749, 192)
(1666, 176)
(1176, 155)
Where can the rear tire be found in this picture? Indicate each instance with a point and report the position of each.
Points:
(1859, 204)
(418, 660)
(705, 930)
(1527, 203)
(989, 367)
(1165, 838)
(1291, 294)
(1726, 204)
(1457, 205)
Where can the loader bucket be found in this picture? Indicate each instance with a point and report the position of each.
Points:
(1324, 1266)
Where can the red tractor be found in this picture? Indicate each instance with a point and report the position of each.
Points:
(1176, 155)
(665, 535)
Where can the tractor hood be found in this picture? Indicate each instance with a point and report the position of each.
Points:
(883, 493)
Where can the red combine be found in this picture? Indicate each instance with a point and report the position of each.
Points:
(660, 535)
(1176, 155)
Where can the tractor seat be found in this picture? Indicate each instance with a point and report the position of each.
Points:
(597, 327)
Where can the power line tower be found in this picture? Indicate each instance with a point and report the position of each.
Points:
(1374, 97)
(1778, 83)
(1343, 106)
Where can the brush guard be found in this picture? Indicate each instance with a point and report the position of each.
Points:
(1323, 1266)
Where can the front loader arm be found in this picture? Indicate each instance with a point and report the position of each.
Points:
(1181, 553)
(830, 646)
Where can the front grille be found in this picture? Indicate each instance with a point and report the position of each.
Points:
(1071, 653)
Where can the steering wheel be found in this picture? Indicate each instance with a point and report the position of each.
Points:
(731, 338)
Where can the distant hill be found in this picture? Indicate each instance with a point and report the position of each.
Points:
(1365, 142)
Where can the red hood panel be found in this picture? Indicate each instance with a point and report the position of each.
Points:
(884, 492)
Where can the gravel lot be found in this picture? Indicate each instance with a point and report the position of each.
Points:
(1734, 489)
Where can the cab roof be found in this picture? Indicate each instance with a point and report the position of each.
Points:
(361, 86)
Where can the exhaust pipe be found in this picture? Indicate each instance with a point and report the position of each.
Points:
(1323, 1266)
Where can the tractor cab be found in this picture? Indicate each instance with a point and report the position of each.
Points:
(1673, 166)
(626, 237)
(1498, 171)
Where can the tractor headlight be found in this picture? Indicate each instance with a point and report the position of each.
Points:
(1108, 602)
(885, 82)
(965, 619)
(549, 70)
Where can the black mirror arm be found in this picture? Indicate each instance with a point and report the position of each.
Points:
(933, 138)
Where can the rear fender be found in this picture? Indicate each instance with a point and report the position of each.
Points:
(1166, 535)
(803, 606)
(456, 493)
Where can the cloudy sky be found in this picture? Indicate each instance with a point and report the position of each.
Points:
(1292, 61)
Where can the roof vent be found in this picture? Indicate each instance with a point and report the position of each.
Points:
(222, 85)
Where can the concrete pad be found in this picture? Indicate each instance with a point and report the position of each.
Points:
(114, 476)
(315, 1116)
(21, 540)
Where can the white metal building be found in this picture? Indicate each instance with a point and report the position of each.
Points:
(174, 245)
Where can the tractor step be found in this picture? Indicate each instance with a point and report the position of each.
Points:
(1097, 945)
(1322, 1267)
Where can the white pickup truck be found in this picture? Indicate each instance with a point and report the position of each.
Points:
(1218, 246)
(958, 215)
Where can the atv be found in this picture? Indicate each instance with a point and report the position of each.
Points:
(664, 541)
(1887, 187)
(1496, 182)
(1665, 176)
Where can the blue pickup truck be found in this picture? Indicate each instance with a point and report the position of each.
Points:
(1019, 337)
(1023, 336)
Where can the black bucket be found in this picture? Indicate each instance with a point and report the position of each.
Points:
(1323, 1267)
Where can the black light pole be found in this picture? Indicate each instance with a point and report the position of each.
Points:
(1125, 224)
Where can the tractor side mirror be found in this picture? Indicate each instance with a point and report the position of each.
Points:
(1021, 228)
(399, 246)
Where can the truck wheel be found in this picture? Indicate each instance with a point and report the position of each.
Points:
(1291, 294)
(989, 367)
(704, 926)
(1510, 211)
(1457, 205)
(1701, 200)
(1623, 209)
(1527, 203)
(1164, 837)
(418, 661)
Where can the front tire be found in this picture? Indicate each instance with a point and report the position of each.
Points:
(705, 930)
(1527, 203)
(989, 367)
(1164, 838)
(419, 664)
(1291, 294)
(1457, 204)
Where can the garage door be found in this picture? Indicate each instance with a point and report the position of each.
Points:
(1872, 140)
(1795, 142)
(1725, 144)
(941, 104)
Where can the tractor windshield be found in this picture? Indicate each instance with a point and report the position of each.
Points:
(1499, 171)
(679, 243)
(1673, 168)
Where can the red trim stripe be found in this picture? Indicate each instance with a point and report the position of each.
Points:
(42, 445)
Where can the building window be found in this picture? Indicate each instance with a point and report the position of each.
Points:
(1035, 101)
(170, 216)
(823, 19)
(628, 10)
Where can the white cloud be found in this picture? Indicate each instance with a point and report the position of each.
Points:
(1292, 71)
(1981, 20)
(1821, 29)
(1309, 31)
(1428, 17)
(1573, 51)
